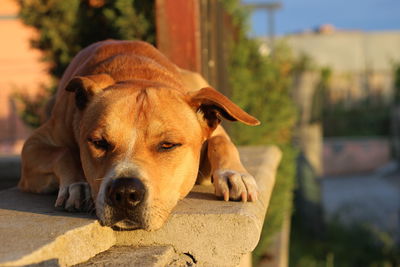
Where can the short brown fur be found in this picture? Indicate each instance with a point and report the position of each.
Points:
(117, 104)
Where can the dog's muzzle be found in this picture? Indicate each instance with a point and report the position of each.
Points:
(124, 198)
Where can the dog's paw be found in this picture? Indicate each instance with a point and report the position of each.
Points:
(74, 197)
(235, 185)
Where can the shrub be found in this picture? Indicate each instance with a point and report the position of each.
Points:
(339, 245)
(261, 84)
(360, 119)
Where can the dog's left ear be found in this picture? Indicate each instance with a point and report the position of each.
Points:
(85, 87)
(216, 106)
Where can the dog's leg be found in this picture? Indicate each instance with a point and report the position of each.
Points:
(230, 178)
(46, 167)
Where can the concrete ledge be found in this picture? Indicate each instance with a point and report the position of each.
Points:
(201, 230)
(138, 256)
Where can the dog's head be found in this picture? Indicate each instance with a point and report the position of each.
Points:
(140, 145)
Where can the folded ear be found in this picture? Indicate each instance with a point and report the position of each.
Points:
(214, 106)
(85, 87)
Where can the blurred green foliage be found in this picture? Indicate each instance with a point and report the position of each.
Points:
(396, 83)
(344, 246)
(359, 244)
(319, 96)
(364, 118)
(65, 27)
(369, 116)
(261, 84)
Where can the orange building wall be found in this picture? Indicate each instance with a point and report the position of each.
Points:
(20, 71)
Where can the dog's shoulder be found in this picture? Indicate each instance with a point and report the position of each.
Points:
(192, 80)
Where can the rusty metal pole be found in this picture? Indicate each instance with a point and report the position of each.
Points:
(178, 32)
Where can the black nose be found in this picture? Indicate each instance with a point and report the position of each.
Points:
(125, 193)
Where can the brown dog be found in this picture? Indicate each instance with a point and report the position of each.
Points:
(130, 130)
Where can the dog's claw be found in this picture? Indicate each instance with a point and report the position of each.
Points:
(74, 197)
(244, 196)
(234, 185)
(226, 195)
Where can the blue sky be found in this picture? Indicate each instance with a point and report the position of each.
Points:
(297, 15)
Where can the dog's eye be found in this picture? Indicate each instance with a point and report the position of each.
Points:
(167, 146)
(100, 144)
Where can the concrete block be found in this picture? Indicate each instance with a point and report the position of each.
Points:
(207, 231)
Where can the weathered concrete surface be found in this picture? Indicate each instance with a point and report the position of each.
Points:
(34, 231)
(156, 256)
(209, 231)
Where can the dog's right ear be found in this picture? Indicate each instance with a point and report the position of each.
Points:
(85, 87)
(214, 106)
